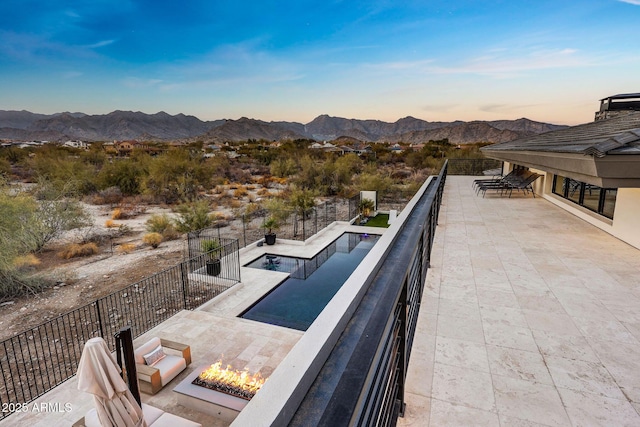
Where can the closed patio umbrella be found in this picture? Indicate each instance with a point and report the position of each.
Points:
(99, 375)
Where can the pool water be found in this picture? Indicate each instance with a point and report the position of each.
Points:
(298, 300)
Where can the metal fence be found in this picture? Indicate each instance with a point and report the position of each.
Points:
(362, 381)
(249, 228)
(37, 360)
(473, 167)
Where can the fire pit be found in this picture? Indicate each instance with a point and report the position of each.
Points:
(217, 391)
(227, 380)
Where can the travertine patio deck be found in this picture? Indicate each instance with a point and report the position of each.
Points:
(530, 317)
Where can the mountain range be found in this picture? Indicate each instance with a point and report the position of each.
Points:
(123, 125)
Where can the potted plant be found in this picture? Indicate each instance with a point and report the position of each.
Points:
(270, 224)
(212, 249)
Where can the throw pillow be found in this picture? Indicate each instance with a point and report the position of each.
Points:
(154, 357)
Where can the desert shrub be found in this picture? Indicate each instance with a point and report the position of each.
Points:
(14, 283)
(63, 171)
(158, 223)
(5, 167)
(124, 174)
(26, 261)
(177, 175)
(152, 239)
(76, 250)
(17, 214)
(125, 248)
(193, 216)
(117, 214)
(283, 167)
(122, 230)
(109, 196)
(264, 181)
(161, 223)
(54, 214)
(240, 192)
(131, 207)
(111, 223)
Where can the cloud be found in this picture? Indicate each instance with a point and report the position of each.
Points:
(439, 107)
(38, 49)
(403, 65)
(504, 108)
(239, 64)
(504, 65)
(634, 2)
(101, 44)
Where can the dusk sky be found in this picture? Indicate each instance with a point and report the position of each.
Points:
(293, 60)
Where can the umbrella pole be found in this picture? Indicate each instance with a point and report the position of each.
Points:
(124, 347)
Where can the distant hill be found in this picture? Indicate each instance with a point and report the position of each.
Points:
(244, 128)
(459, 133)
(23, 119)
(122, 125)
(117, 125)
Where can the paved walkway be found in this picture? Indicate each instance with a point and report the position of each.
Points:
(530, 317)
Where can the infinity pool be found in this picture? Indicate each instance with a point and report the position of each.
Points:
(298, 300)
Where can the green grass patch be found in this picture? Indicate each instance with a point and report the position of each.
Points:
(380, 220)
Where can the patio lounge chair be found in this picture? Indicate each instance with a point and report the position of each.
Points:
(525, 185)
(521, 180)
(480, 182)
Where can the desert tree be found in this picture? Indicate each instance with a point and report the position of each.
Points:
(193, 216)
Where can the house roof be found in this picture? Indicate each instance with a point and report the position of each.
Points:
(605, 153)
(622, 96)
(617, 135)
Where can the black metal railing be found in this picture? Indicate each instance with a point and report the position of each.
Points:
(35, 361)
(362, 381)
(293, 225)
(473, 167)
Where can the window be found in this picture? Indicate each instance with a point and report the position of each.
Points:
(592, 197)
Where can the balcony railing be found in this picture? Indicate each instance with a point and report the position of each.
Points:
(349, 368)
(474, 167)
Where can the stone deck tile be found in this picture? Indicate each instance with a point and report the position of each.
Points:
(537, 319)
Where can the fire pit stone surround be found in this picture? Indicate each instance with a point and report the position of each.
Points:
(202, 393)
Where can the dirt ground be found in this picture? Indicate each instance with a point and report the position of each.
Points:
(82, 280)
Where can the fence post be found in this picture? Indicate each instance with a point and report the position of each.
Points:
(99, 318)
(184, 278)
(326, 213)
(244, 230)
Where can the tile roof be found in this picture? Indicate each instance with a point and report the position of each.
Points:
(617, 135)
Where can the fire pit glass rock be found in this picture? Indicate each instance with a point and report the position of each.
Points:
(232, 382)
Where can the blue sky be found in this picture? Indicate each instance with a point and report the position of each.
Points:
(293, 60)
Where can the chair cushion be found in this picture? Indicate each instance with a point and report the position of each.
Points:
(151, 413)
(145, 349)
(170, 367)
(91, 419)
(170, 420)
